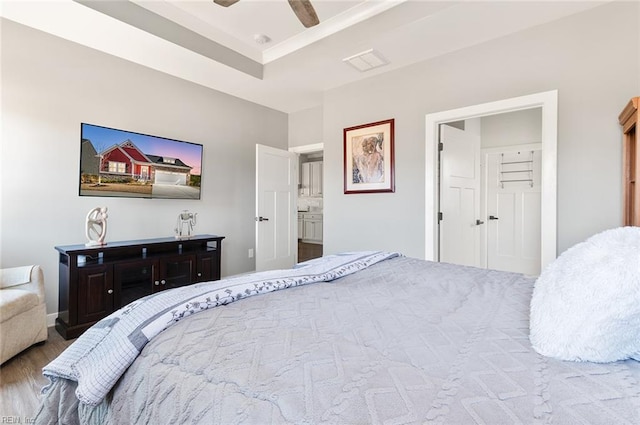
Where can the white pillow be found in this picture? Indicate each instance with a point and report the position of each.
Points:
(586, 304)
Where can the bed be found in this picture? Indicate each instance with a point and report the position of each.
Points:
(359, 338)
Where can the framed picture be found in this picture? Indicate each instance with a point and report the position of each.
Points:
(368, 158)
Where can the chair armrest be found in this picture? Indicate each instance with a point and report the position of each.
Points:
(27, 278)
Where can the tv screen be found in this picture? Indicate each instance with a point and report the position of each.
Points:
(119, 163)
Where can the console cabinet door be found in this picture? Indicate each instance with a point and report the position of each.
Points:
(176, 271)
(208, 267)
(134, 279)
(95, 293)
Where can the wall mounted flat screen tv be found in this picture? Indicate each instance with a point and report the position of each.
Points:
(119, 163)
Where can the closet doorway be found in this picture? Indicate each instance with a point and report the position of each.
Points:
(310, 201)
(490, 192)
(544, 152)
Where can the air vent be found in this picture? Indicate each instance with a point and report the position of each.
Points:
(366, 61)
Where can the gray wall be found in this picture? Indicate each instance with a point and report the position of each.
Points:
(512, 128)
(591, 58)
(305, 127)
(50, 86)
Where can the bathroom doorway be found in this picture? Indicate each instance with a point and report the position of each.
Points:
(310, 203)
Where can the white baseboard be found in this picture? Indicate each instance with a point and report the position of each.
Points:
(51, 319)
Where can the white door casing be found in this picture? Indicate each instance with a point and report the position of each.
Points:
(548, 102)
(460, 197)
(513, 208)
(276, 211)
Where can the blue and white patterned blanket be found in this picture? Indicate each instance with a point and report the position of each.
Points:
(104, 352)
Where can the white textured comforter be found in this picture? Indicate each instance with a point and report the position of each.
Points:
(402, 342)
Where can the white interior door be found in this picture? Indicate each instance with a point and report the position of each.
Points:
(276, 212)
(514, 210)
(459, 197)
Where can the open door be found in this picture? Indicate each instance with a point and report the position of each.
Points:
(276, 212)
(460, 197)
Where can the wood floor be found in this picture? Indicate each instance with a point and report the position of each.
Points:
(21, 379)
(308, 251)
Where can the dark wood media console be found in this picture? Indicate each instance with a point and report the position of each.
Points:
(96, 281)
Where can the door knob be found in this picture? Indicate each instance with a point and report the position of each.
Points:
(493, 217)
(479, 222)
(262, 218)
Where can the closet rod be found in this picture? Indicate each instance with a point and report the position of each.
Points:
(517, 162)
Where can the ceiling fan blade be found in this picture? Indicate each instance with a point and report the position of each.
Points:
(225, 3)
(305, 12)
